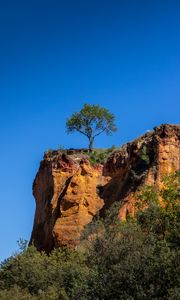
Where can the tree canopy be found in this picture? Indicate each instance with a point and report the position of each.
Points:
(91, 121)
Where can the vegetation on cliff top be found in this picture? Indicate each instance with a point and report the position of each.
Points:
(96, 156)
(91, 121)
(135, 259)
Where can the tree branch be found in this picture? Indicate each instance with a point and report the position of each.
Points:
(99, 132)
(82, 132)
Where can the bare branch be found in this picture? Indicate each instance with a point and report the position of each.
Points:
(99, 132)
(82, 132)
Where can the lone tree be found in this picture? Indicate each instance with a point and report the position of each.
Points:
(91, 121)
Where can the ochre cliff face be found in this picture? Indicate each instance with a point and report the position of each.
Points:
(66, 196)
(146, 160)
(69, 192)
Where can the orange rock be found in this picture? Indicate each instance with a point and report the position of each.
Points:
(69, 192)
(66, 200)
(146, 160)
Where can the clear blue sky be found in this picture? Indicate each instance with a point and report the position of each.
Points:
(57, 55)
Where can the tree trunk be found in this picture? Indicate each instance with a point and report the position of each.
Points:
(91, 142)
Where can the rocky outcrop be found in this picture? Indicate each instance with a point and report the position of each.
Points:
(65, 190)
(145, 160)
(69, 191)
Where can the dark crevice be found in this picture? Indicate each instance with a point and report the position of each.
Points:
(119, 187)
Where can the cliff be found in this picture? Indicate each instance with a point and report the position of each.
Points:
(65, 190)
(69, 191)
(145, 160)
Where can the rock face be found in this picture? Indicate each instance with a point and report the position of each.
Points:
(146, 160)
(69, 192)
(65, 190)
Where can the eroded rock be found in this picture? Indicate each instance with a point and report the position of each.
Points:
(66, 200)
(69, 192)
(145, 160)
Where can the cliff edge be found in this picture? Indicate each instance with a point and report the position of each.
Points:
(69, 191)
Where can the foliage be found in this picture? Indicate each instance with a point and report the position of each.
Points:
(99, 156)
(133, 265)
(135, 259)
(23, 244)
(139, 258)
(16, 293)
(147, 195)
(144, 154)
(91, 121)
(171, 191)
(162, 219)
(63, 273)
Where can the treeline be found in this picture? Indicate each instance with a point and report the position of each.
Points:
(136, 259)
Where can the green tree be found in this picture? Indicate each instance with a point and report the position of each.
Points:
(91, 121)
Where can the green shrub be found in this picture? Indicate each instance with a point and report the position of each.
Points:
(144, 155)
(135, 259)
(99, 156)
(16, 293)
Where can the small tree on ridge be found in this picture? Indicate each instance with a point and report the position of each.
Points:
(91, 121)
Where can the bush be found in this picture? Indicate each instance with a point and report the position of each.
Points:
(16, 293)
(135, 259)
(99, 156)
